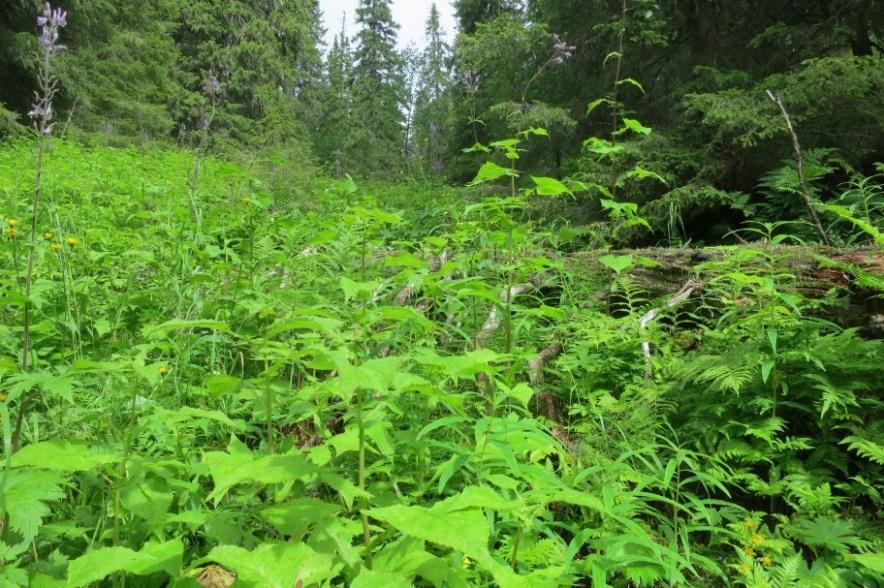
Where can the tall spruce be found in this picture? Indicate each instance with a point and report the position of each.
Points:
(378, 90)
(433, 108)
(333, 141)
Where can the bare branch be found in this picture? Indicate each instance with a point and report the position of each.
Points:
(689, 288)
(805, 190)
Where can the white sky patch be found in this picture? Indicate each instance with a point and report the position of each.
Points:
(410, 14)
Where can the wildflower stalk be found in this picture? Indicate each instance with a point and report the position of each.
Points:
(50, 21)
(615, 113)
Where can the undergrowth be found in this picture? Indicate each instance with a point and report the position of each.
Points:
(405, 385)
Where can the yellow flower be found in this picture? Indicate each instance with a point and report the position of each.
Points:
(72, 241)
(745, 569)
(11, 232)
(247, 200)
(749, 552)
(56, 247)
(467, 562)
(749, 524)
(766, 561)
(48, 235)
(2, 397)
(757, 540)
(11, 222)
(164, 370)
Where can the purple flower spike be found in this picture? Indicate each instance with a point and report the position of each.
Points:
(471, 79)
(562, 50)
(50, 21)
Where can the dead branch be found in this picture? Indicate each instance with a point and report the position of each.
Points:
(689, 288)
(492, 323)
(547, 403)
(805, 190)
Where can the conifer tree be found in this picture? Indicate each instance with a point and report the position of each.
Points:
(433, 104)
(378, 90)
(333, 141)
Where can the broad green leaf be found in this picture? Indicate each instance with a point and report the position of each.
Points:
(521, 392)
(152, 558)
(271, 565)
(618, 263)
(595, 104)
(377, 578)
(636, 127)
(23, 497)
(229, 469)
(459, 366)
(766, 367)
(549, 186)
(149, 499)
(490, 171)
(296, 516)
(305, 323)
(871, 561)
(65, 456)
(221, 384)
(405, 260)
(602, 147)
(478, 497)
(772, 336)
(465, 531)
(632, 82)
(353, 289)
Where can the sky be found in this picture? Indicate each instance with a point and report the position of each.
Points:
(410, 14)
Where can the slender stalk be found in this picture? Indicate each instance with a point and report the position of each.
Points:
(805, 189)
(29, 279)
(50, 21)
(615, 112)
(268, 398)
(366, 531)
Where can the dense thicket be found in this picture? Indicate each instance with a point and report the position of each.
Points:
(162, 69)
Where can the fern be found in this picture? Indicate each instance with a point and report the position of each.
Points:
(828, 533)
(865, 447)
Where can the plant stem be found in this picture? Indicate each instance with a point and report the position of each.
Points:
(805, 189)
(29, 278)
(615, 113)
(366, 531)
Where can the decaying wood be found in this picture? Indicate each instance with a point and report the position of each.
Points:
(689, 288)
(813, 274)
(492, 323)
(547, 403)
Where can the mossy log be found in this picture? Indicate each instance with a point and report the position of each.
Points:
(813, 271)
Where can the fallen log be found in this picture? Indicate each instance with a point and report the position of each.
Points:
(813, 271)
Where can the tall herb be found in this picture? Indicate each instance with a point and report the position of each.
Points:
(50, 21)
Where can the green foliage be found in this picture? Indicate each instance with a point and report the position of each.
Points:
(243, 374)
(358, 403)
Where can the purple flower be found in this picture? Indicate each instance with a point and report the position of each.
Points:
(471, 79)
(562, 50)
(212, 85)
(50, 21)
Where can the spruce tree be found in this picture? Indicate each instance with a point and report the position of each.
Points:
(433, 109)
(333, 140)
(378, 90)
